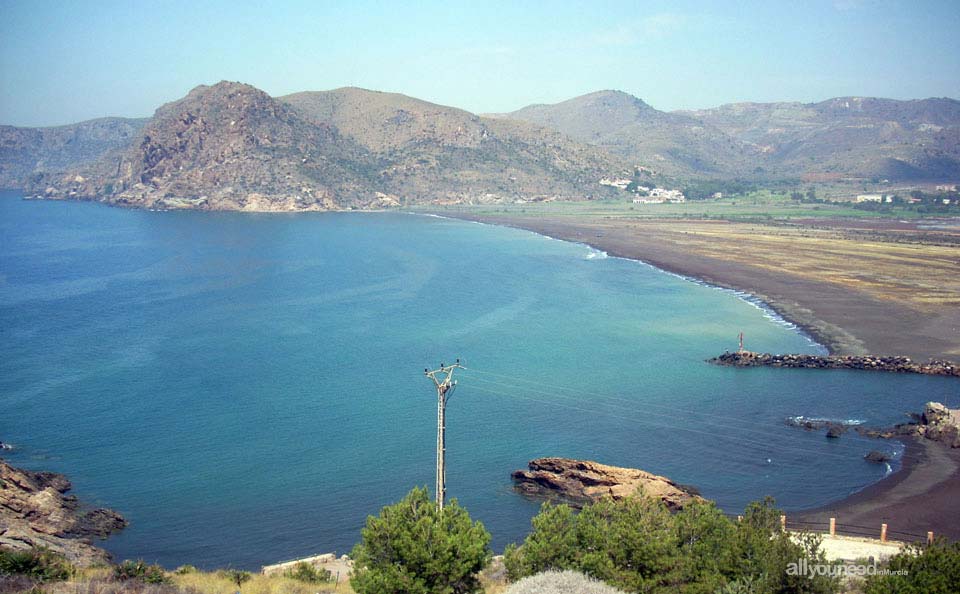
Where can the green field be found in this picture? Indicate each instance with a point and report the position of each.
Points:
(761, 204)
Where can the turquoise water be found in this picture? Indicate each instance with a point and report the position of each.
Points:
(246, 388)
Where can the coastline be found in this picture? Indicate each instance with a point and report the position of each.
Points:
(842, 319)
(833, 339)
(919, 496)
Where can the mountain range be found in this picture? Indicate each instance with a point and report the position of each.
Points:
(231, 146)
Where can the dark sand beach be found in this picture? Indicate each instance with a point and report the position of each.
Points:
(922, 496)
(848, 311)
(925, 493)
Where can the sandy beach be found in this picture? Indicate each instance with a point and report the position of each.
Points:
(894, 299)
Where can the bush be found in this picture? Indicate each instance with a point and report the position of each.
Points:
(304, 572)
(236, 576)
(38, 564)
(930, 569)
(139, 571)
(185, 569)
(413, 548)
(637, 545)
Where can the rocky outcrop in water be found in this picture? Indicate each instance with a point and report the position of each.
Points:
(877, 457)
(937, 422)
(36, 511)
(579, 482)
(865, 362)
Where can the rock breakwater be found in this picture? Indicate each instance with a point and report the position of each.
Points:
(863, 362)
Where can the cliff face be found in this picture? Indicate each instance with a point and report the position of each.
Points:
(35, 511)
(579, 482)
(26, 151)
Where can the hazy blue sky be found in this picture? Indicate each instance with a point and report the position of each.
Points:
(66, 61)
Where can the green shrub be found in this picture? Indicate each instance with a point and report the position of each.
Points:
(304, 572)
(926, 569)
(140, 571)
(411, 547)
(185, 569)
(39, 564)
(637, 545)
(236, 576)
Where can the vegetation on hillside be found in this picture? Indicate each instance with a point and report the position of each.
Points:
(631, 545)
(920, 569)
(36, 564)
(637, 545)
(412, 547)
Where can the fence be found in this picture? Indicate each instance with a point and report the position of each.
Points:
(833, 528)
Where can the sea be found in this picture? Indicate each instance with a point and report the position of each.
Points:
(247, 388)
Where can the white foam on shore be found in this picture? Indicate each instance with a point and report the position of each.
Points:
(847, 422)
(765, 308)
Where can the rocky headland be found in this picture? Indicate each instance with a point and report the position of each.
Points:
(863, 362)
(578, 482)
(36, 511)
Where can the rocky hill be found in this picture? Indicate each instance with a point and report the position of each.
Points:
(669, 143)
(842, 137)
(224, 147)
(436, 152)
(24, 151)
(232, 147)
(848, 136)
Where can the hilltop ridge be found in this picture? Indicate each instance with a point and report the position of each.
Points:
(230, 146)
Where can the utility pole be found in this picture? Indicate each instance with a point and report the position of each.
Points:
(443, 380)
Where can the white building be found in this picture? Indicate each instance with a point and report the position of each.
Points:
(668, 195)
(616, 183)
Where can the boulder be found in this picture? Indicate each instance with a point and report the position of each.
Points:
(877, 456)
(579, 482)
(934, 413)
(835, 430)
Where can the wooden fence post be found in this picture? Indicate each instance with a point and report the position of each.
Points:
(930, 537)
(833, 526)
(783, 522)
(883, 533)
(739, 518)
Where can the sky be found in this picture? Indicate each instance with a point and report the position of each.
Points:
(67, 61)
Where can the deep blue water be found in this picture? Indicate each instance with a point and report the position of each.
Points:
(246, 388)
